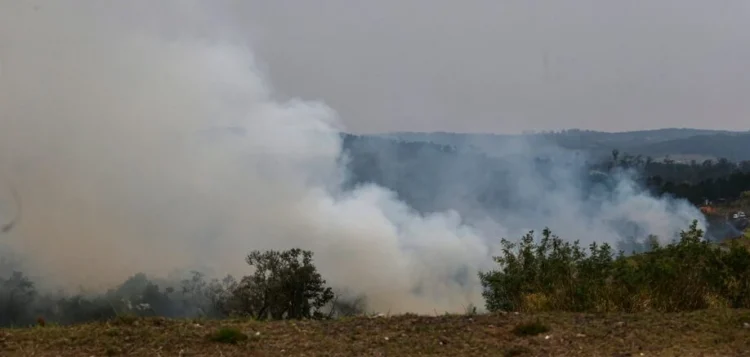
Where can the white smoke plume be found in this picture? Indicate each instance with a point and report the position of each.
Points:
(110, 118)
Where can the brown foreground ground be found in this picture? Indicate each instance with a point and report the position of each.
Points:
(703, 333)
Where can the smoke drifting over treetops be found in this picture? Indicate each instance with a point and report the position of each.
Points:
(112, 125)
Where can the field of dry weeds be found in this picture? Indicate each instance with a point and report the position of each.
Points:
(702, 333)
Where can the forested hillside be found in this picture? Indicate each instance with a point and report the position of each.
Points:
(423, 172)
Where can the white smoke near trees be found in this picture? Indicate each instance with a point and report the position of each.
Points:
(111, 129)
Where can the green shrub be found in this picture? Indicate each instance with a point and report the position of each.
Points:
(285, 285)
(551, 274)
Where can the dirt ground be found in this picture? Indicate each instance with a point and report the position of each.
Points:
(702, 333)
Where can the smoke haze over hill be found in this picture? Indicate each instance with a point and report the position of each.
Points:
(112, 133)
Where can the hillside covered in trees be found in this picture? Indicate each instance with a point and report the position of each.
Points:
(438, 172)
(423, 167)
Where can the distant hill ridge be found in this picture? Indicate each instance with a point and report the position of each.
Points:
(673, 142)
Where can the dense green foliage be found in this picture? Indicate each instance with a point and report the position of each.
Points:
(724, 188)
(695, 181)
(552, 274)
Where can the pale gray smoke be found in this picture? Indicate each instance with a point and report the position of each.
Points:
(107, 118)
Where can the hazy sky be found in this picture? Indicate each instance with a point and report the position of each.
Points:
(507, 66)
(499, 65)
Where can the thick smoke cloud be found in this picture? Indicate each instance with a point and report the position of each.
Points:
(113, 120)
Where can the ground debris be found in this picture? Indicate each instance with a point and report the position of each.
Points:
(685, 334)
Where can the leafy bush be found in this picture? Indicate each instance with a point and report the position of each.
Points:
(687, 274)
(285, 285)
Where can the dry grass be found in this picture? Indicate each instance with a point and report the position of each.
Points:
(703, 333)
